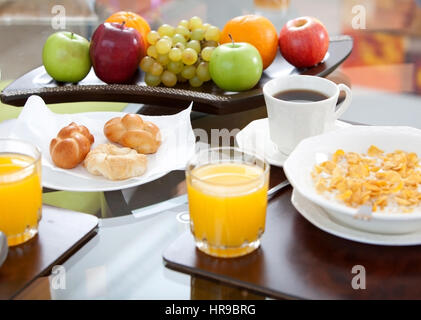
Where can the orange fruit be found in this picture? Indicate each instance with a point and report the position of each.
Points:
(132, 20)
(256, 30)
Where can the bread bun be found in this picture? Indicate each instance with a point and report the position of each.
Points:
(71, 146)
(115, 163)
(131, 131)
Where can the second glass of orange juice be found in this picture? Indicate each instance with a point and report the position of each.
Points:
(20, 190)
(227, 192)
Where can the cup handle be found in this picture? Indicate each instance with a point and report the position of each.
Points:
(346, 103)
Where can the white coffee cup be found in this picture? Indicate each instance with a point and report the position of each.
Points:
(290, 121)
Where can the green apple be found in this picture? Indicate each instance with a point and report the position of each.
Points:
(235, 66)
(66, 56)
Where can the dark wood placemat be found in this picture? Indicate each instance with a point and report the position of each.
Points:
(297, 260)
(61, 233)
(208, 98)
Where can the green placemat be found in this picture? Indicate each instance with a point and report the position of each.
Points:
(88, 202)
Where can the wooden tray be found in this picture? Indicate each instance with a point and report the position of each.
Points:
(61, 233)
(209, 98)
(298, 260)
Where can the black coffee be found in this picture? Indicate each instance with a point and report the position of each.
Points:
(300, 95)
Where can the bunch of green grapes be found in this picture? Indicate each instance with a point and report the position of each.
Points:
(180, 54)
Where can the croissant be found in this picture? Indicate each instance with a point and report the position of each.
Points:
(71, 146)
(115, 163)
(131, 131)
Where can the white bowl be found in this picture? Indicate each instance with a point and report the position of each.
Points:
(319, 148)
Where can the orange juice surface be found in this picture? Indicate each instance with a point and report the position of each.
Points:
(227, 203)
(20, 197)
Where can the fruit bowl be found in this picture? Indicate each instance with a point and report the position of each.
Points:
(207, 98)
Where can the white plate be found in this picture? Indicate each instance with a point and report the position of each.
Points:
(38, 125)
(255, 137)
(319, 218)
(320, 148)
(58, 180)
(53, 180)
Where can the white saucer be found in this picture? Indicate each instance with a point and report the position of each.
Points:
(319, 218)
(255, 137)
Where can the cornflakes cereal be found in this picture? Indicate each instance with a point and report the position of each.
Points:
(376, 179)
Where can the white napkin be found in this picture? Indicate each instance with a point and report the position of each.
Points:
(38, 125)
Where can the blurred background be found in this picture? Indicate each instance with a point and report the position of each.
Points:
(390, 46)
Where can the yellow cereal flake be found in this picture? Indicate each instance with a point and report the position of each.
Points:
(378, 179)
(352, 157)
(374, 151)
(397, 187)
(346, 195)
(328, 166)
(359, 170)
(321, 185)
(402, 202)
(338, 155)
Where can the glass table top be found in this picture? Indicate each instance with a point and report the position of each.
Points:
(124, 261)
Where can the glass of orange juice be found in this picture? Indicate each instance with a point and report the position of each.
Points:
(227, 192)
(20, 190)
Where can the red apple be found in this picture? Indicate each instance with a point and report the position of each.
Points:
(303, 42)
(116, 51)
